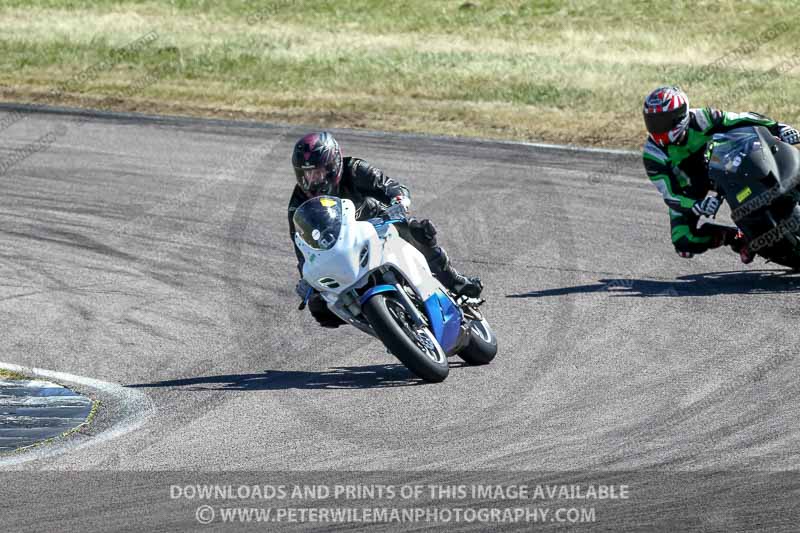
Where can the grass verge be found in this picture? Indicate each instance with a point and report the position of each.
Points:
(9, 375)
(560, 71)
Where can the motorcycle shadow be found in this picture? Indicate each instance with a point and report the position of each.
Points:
(345, 377)
(707, 284)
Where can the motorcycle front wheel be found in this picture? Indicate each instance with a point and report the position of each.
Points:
(415, 347)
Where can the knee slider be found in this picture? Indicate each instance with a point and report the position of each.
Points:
(423, 231)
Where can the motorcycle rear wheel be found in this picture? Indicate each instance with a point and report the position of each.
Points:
(482, 347)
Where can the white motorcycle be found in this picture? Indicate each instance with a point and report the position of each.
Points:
(376, 281)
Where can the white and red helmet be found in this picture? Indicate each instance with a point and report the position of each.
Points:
(666, 115)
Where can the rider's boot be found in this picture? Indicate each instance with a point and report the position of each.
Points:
(734, 238)
(739, 244)
(452, 279)
(459, 284)
(423, 234)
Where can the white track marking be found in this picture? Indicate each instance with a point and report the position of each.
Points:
(569, 147)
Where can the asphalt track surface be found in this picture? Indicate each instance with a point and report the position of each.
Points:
(154, 253)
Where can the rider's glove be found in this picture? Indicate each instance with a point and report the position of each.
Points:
(707, 206)
(788, 134)
(399, 208)
(405, 201)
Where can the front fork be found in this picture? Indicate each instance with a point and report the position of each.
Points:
(349, 301)
(420, 321)
(416, 317)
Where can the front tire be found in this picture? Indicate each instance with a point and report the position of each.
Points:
(785, 252)
(790, 262)
(416, 348)
(482, 347)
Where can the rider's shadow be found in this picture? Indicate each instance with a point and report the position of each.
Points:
(708, 284)
(346, 377)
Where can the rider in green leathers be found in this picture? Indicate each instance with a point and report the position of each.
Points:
(674, 158)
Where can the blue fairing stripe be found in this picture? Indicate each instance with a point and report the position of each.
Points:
(445, 319)
(390, 221)
(377, 289)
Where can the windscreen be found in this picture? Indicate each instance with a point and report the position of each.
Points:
(318, 222)
(729, 149)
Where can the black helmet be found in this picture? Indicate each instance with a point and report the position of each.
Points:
(317, 162)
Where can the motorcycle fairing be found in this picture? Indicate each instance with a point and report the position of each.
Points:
(347, 270)
(339, 264)
(748, 162)
(445, 319)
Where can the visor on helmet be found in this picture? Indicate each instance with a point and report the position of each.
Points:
(314, 181)
(665, 121)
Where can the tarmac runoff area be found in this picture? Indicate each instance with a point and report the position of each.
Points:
(33, 411)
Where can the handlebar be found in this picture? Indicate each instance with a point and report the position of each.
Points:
(396, 212)
(393, 214)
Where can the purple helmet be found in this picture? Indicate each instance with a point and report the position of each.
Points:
(317, 162)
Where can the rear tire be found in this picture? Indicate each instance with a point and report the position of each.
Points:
(416, 349)
(482, 347)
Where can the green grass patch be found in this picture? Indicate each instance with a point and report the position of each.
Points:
(8, 374)
(563, 71)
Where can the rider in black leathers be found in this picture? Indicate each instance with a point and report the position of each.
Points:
(320, 169)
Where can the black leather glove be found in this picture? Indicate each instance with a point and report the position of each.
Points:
(405, 201)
